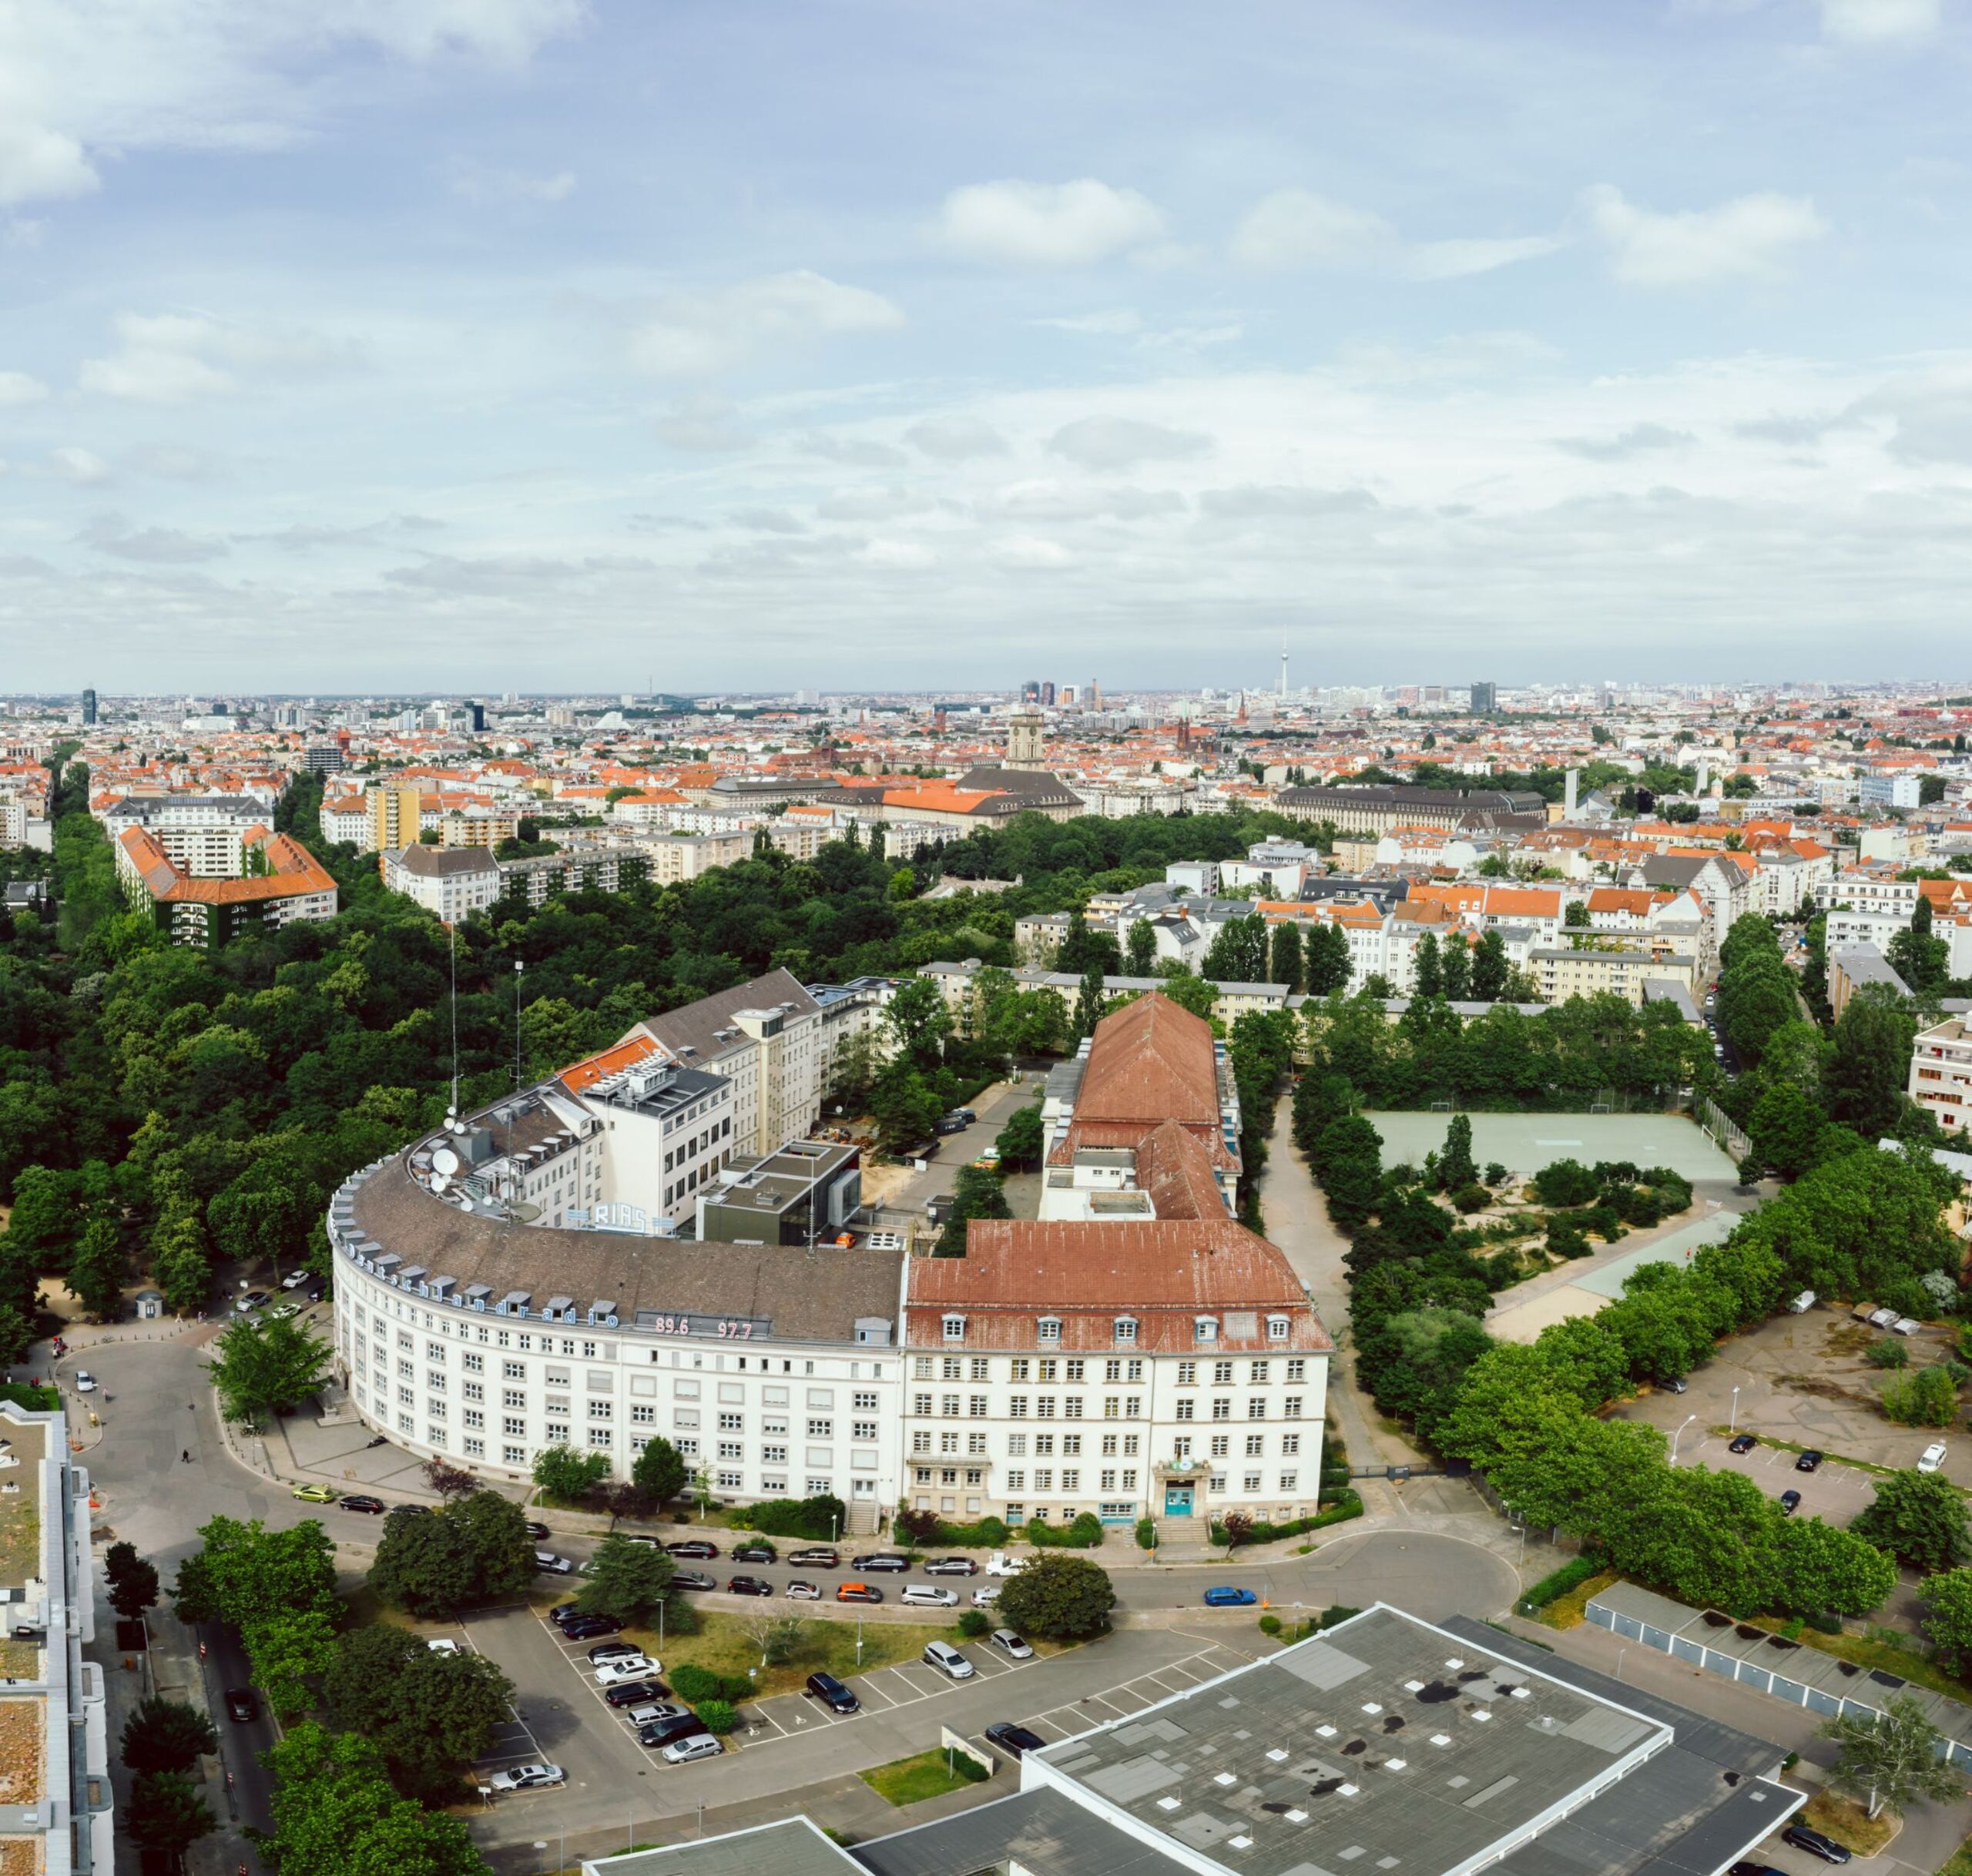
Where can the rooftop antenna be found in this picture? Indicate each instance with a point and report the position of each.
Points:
(513, 1106)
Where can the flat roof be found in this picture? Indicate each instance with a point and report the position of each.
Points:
(793, 1847)
(1043, 1832)
(1386, 1743)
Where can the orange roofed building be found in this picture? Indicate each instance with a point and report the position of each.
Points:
(281, 881)
(1140, 1353)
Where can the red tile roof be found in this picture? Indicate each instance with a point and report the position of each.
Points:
(1151, 1062)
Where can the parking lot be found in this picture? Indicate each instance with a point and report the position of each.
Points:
(1835, 1492)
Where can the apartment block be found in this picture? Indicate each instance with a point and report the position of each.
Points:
(1941, 1072)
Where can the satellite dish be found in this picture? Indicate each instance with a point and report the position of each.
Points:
(439, 1181)
(525, 1214)
(446, 1160)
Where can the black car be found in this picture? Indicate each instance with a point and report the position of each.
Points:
(668, 1732)
(360, 1501)
(613, 1651)
(692, 1579)
(881, 1560)
(577, 1627)
(1810, 1462)
(947, 1124)
(951, 1566)
(537, 1532)
(755, 1553)
(1745, 1443)
(963, 1113)
(832, 1694)
(1804, 1838)
(815, 1557)
(635, 1692)
(1014, 1741)
(693, 1547)
(1789, 1502)
(748, 1586)
(1755, 1869)
(241, 1705)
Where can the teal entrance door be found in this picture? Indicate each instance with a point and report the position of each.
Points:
(1177, 1501)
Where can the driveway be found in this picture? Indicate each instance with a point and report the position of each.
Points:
(996, 1107)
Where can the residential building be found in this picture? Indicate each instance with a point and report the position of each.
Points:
(1378, 809)
(1902, 789)
(450, 883)
(281, 882)
(476, 825)
(1851, 966)
(396, 818)
(1603, 969)
(1941, 1072)
(204, 836)
(581, 869)
(675, 858)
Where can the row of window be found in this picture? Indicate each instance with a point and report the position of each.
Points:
(1260, 1370)
(1123, 1328)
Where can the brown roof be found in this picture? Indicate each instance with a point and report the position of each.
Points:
(1176, 1168)
(1151, 1062)
(694, 1027)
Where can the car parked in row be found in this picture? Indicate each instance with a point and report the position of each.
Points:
(527, 1778)
(815, 1556)
(613, 1651)
(801, 1590)
(832, 1694)
(314, 1493)
(857, 1592)
(754, 1551)
(1805, 1837)
(552, 1564)
(1810, 1461)
(951, 1566)
(698, 1549)
(667, 1732)
(881, 1560)
(947, 1661)
(575, 1627)
(625, 1668)
(925, 1596)
(693, 1747)
(362, 1501)
(749, 1585)
(635, 1692)
(1743, 1442)
(1015, 1646)
(1790, 1503)
(692, 1579)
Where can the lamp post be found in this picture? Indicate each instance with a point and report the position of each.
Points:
(540, 1854)
(1734, 1426)
(1679, 1434)
(1620, 1653)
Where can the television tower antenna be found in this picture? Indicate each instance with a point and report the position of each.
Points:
(1283, 667)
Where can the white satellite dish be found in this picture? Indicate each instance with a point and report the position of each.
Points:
(439, 1181)
(446, 1160)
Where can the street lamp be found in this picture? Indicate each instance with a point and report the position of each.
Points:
(1620, 1653)
(1735, 1426)
(540, 1854)
(1679, 1434)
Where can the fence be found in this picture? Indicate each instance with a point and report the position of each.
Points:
(1716, 1122)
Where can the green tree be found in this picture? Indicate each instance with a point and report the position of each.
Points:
(1785, 1128)
(1947, 1622)
(431, 1713)
(132, 1581)
(1455, 961)
(96, 1278)
(1891, 1757)
(919, 1023)
(1239, 954)
(1140, 954)
(278, 1587)
(1019, 1141)
(1092, 1001)
(1285, 966)
(1457, 1167)
(335, 1813)
(1923, 1397)
(1920, 1518)
(1870, 1061)
(1489, 967)
(978, 1193)
(166, 1814)
(659, 1469)
(903, 1106)
(625, 1580)
(568, 1477)
(1427, 967)
(262, 1368)
(1194, 994)
(167, 1735)
(1326, 963)
(1064, 1598)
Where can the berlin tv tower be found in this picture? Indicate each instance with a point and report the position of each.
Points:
(1284, 667)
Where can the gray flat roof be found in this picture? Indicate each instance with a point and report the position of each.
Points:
(1045, 1833)
(1387, 1742)
(794, 1847)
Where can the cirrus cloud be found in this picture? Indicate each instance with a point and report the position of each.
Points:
(1047, 224)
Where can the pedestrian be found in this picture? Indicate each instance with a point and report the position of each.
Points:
(184, 1454)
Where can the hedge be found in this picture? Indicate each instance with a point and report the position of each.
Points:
(1350, 1505)
(1558, 1583)
(821, 1519)
(696, 1685)
(1085, 1534)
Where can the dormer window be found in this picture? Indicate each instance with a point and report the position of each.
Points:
(1048, 1328)
(1204, 1328)
(954, 1327)
(1277, 1328)
(1126, 1329)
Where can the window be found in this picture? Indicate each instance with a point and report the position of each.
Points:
(1297, 1369)
(1043, 1446)
(1277, 1328)
(475, 1448)
(1288, 1481)
(1222, 1374)
(1133, 1406)
(1256, 1407)
(1256, 1373)
(513, 1456)
(1187, 1409)
(975, 1408)
(1043, 1480)
(921, 1443)
(729, 1481)
(1204, 1328)
(863, 1429)
(920, 1404)
(1107, 1482)
(1290, 1445)
(435, 1378)
(1018, 1369)
(1071, 1481)
(1016, 1482)
(1290, 1408)
(1216, 1483)
(604, 1410)
(1017, 1407)
(1048, 1328)
(1221, 1446)
(1188, 1373)
(1126, 1330)
(643, 1416)
(1077, 1370)
(472, 1390)
(732, 1423)
(1129, 1478)
(975, 1443)
(475, 1418)
(1181, 1448)
(1112, 1408)
(954, 1328)
(1016, 1446)
(948, 1443)
(514, 1371)
(976, 1368)
(513, 1429)
(773, 1455)
(1049, 1370)
(921, 1367)
(475, 1364)
(1044, 1406)
(1222, 1409)
(821, 1429)
(820, 1488)
(1255, 1445)
(1071, 1408)
(948, 1369)
(1251, 1482)
(864, 1403)
(949, 1406)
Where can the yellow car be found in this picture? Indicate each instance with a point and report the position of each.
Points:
(317, 1494)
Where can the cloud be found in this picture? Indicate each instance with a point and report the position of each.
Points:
(703, 424)
(1750, 237)
(695, 335)
(83, 468)
(177, 358)
(871, 504)
(1296, 227)
(1117, 442)
(37, 163)
(1877, 22)
(1256, 502)
(473, 182)
(857, 452)
(171, 462)
(1031, 554)
(1056, 501)
(1047, 224)
(1933, 416)
(17, 388)
(1118, 322)
(769, 521)
(1792, 432)
(1452, 261)
(305, 537)
(1639, 440)
(158, 547)
(955, 439)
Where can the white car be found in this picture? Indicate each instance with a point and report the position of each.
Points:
(443, 1644)
(926, 1596)
(85, 1381)
(1000, 1564)
(985, 1597)
(295, 1280)
(801, 1590)
(527, 1778)
(1933, 1457)
(1015, 1646)
(620, 1668)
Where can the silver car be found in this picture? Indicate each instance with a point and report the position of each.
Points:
(1014, 1648)
(947, 1661)
(527, 1778)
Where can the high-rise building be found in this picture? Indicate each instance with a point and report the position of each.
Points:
(393, 818)
(476, 711)
(1030, 692)
(1485, 699)
(1047, 691)
(89, 707)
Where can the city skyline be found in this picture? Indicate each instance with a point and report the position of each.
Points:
(849, 345)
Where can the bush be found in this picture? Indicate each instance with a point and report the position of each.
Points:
(1496, 1173)
(1347, 1503)
(1927, 1398)
(1063, 1598)
(718, 1716)
(1085, 1534)
(695, 1683)
(1335, 1613)
(1269, 1624)
(1474, 1197)
(986, 1534)
(1565, 1182)
(1558, 1583)
(1890, 1352)
(973, 1623)
(821, 1519)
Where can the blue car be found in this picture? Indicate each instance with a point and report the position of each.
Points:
(1226, 1598)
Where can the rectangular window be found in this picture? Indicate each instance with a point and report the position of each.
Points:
(1043, 1407)
(821, 1429)
(475, 1364)
(435, 1378)
(1016, 1446)
(1290, 1445)
(1129, 1480)
(976, 1369)
(475, 1448)
(1256, 1373)
(1222, 1374)
(1112, 1371)
(1290, 1409)
(1222, 1409)
(1186, 1409)
(1017, 1407)
(1071, 1482)
(1297, 1370)
(513, 1429)
(1133, 1370)
(513, 1456)
(473, 1390)
(514, 1371)
(602, 1410)
(1048, 1328)
(1113, 1407)
(1252, 1483)
(975, 1408)
(731, 1450)
(1255, 1445)
(1049, 1371)
(921, 1443)
(732, 1423)
(921, 1367)
(1107, 1481)
(642, 1415)
(863, 1429)
(975, 1443)
(773, 1455)
(920, 1404)
(475, 1418)
(1188, 1373)
(729, 1481)
(1071, 1407)
(1256, 1408)
(1288, 1481)
(1018, 1369)
(949, 1406)
(1077, 1370)
(1221, 1446)
(864, 1403)
(1016, 1482)
(1043, 1480)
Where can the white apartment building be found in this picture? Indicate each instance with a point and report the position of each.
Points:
(674, 1132)
(1941, 1072)
(1859, 890)
(450, 883)
(675, 858)
(202, 835)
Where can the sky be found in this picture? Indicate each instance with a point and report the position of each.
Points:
(355, 346)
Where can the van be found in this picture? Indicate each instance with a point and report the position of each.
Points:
(1802, 1304)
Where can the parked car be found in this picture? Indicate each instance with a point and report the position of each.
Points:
(1743, 1442)
(947, 1661)
(946, 1124)
(1000, 1564)
(294, 1279)
(963, 1113)
(627, 1667)
(1755, 1869)
(527, 1778)
(281, 1311)
(85, 1381)
(442, 1644)
(696, 1548)
(695, 1746)
(653, 1712)
(538, 1532)
(1810, 1461)
(857, 1592)
(362, 1501)
(613, 1651)
(927, 1595)
(253, 1299)
(986, 1595)
(692, 1579)
(1225, 1596)
(315, 1493)
(748, 1586)
(242, 1708)
(665, 1732)
(635, 1692)
(951, 1566)
(578, 1627)
(755, 1551)
(832, 1694)
(1932, 1458)
(1804, 1837)
(643, 1538)
(1677, 1385)
(551, 1564)
(1015, 1741)
(881, 1560)
(815, 1557)
(1789, 1502)
(1014, 1645)
(801, 1590)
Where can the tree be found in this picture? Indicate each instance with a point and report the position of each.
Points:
(776, 1637)
(263, 1368)
(1285, 966)
(625, 1580)
(1195, 994)
(1457, 1167)
(567, 1476)
(1238, 954)
(978, 1193)
(1947, 1622)
(336, 1814)
(449, 1480)
(166, 1813)
(1920, 1518)
(429, 1712)
(422, 1565)
(1064, 1598)
(278, 1587)
(1326, 963)
(96, 1278)
(132, 1581)
(1140, 955)
(1489, 967)
(167, 1735)
(1090, 1001)
(1019, 1141)
(1427, 967)
(903, 1106)
(1455, 959)
(919, 1022)
(1785, 1128)
(1891, 1758)
(1870, 1061)
(1924, 1397)
(659, 1469)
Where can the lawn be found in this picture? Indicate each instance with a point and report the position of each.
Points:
(20, 1534)
(1961, 1864)
(1568, 1610)
(827, 1645)
(1892, 1657)
(910, 1781)
(1850, 1823)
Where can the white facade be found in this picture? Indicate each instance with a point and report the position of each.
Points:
(450, 883)
(1941, 1072)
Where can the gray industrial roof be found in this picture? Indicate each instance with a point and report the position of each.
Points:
(794, 1847)
(1046, 1833)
